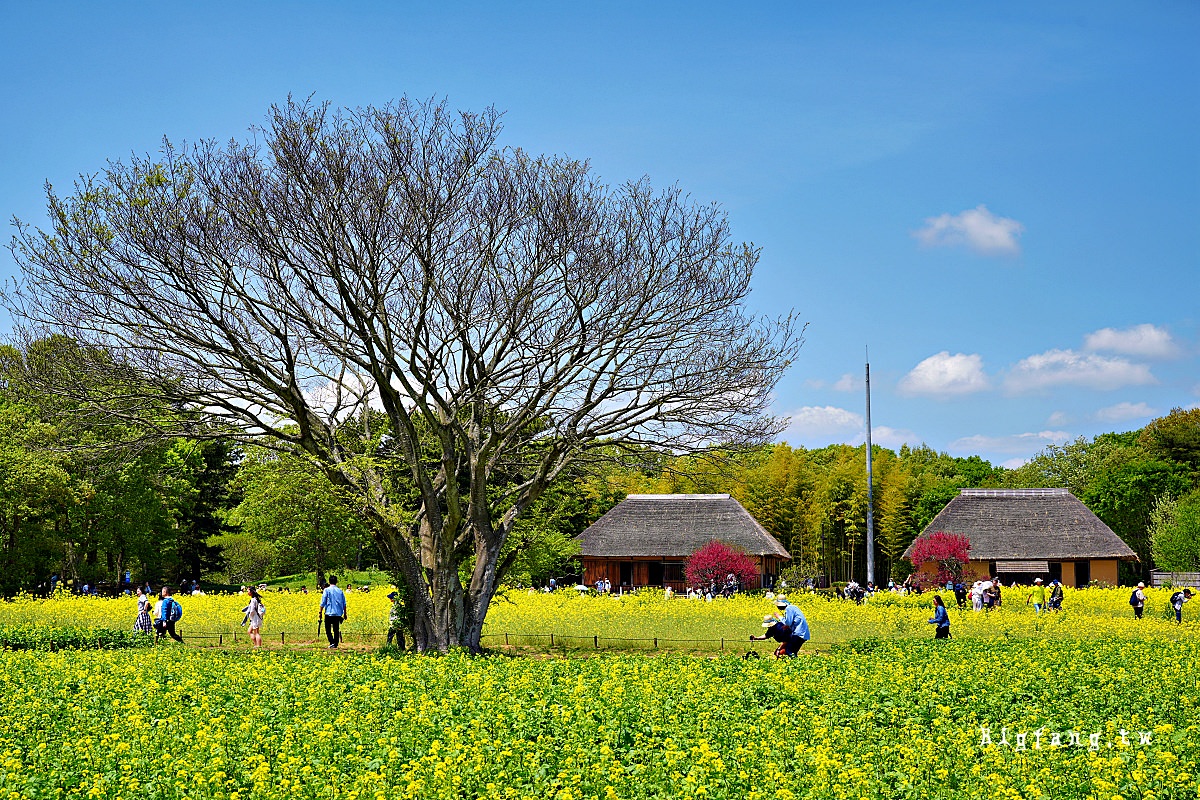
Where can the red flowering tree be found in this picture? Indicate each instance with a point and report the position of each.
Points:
(715, 560)
(949, 551)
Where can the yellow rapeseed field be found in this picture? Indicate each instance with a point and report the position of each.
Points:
(1102, 718)
(1088, 703)
(635, 621)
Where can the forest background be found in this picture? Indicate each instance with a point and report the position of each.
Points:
(73, 507)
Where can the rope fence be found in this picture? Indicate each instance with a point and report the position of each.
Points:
(508, 639)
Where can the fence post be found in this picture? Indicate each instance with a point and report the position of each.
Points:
(220, 639)
(655, 642)
(281, 637)
(722, 642)
(235, 637)
(596, 641)
(506, 640)
(552, 640)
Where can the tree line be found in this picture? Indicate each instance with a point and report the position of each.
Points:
(209, 509)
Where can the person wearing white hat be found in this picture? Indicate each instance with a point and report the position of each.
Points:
(1138, 600)
(1038, 595)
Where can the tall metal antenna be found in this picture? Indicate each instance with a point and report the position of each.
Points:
(870, 492)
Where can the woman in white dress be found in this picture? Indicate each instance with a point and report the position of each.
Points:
(254, 616)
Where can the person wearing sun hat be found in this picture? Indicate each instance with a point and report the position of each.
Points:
(1038, 595)
(775, 629)
(1138, 600)
(796, 624)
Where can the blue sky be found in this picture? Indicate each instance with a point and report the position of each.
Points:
(1002, 201)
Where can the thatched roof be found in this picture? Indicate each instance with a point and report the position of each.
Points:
(1013, 524)
(675, 526)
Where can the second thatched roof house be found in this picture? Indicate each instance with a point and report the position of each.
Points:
(645, 539)
(1022, 534)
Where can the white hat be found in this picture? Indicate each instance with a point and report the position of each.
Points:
(769, 620)
(781, 601)
(1141, 585)
(1037, 580)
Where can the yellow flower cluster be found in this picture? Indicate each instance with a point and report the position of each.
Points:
(636, 621)
(919, 719)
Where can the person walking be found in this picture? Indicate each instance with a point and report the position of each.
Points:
(143, 623)
(1177, 601)
(333, 606)
(396, 620)
(941, 618)
(797, 625)
(1138, 600)
(1037, 595)
(253, 620)
(169, 612)
(1056, 595)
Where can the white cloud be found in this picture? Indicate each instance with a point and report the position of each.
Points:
(814, 383)
(817, 426)
(1058, 418)
(976, 228)
(943, 374)
(828, 423)
(1069, 368)
(848, 383)
(1122, 412)
(1015, 443)
(889, 437)
(1013, 463)
(1141, 340)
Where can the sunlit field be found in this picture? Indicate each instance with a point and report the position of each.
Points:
(921, 719)
(525, 619)
(1085, 703)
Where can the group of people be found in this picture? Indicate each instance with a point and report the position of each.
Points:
(788, 627)
(1138, 601)
(166, 612)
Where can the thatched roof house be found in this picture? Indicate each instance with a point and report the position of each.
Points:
(1029, 533)
(644, 540)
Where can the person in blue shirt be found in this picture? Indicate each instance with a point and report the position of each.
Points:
(797, 625)
(941, 618)
(333, 605)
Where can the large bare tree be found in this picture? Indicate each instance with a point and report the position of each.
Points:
(509, 313)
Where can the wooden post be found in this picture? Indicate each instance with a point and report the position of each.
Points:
(552, 640)
(722, 642)
(281, 637)
(655, 642)
(506, 640)
(220, 639)
(596, 641)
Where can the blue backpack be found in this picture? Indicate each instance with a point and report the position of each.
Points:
(171, 611)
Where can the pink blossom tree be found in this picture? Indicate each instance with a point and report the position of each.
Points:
(949, 551)
(715, 560)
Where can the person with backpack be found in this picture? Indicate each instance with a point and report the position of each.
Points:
(1177, 601)
(1056, 595)
(1138, 600)
(941, 618)
(169, 612)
